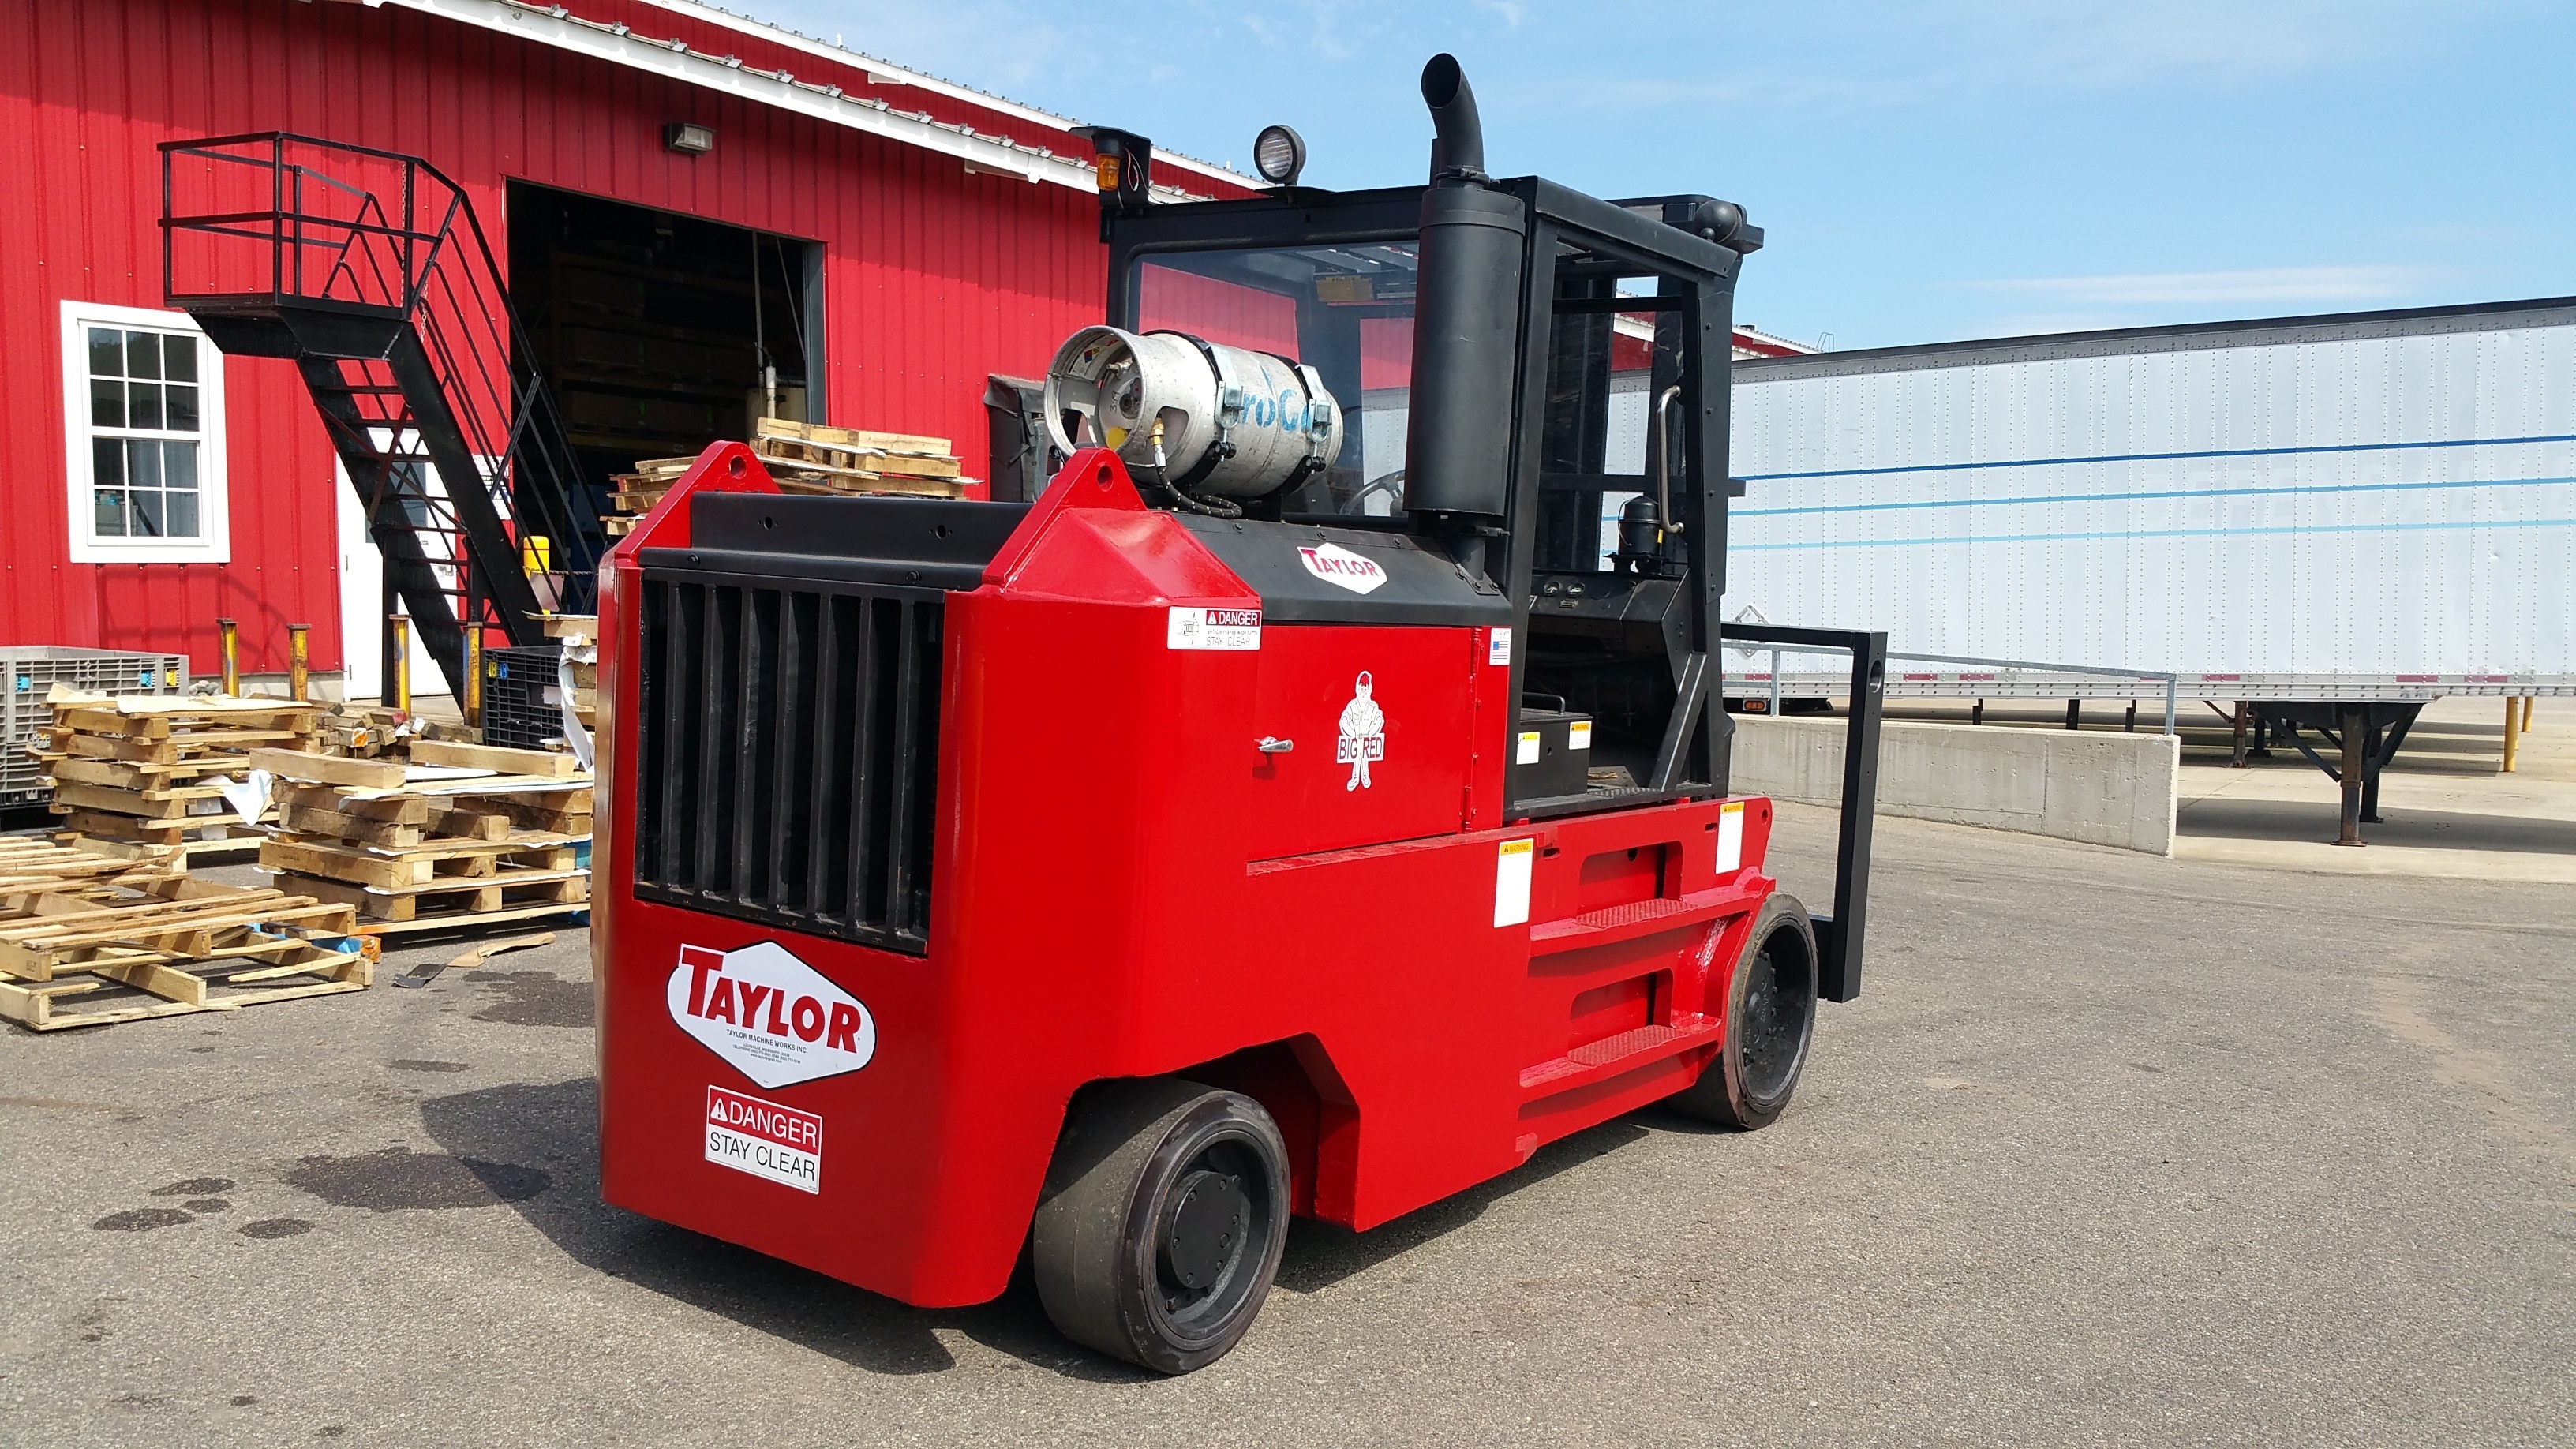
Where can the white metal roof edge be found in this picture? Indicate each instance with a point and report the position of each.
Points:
(2186, 337)
(674, 60)
(903, 75)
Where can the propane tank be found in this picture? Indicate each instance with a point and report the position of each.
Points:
(1209, 419)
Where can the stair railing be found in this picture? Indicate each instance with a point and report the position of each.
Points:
(264, 221)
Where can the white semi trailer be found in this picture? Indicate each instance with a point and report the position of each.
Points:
(2329, 520)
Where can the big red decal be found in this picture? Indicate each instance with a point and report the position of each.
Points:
(776, 1019)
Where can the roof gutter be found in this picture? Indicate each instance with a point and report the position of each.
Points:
(559, 28)
(887, 73)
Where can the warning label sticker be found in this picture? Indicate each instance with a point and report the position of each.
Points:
(1512, 862)
(765, 1139)
(1730, 836)
(1498, 648)
(1578, 735)
(1527, 754)
(1201, 628)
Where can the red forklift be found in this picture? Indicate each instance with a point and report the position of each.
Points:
(1311, 803)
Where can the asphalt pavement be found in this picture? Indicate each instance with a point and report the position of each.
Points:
(2111, 1150)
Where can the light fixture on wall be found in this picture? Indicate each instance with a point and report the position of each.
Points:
(689, 138)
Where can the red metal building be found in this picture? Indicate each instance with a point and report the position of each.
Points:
(951, 235)
(939, 235)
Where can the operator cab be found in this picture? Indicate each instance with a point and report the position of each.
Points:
(1577, 411)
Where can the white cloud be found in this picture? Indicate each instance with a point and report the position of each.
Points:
(2262, 284)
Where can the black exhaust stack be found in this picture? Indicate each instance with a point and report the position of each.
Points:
(1457, 449)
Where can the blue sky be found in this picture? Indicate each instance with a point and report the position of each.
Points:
(1924, 171)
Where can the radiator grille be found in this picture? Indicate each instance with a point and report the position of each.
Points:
(788, 735)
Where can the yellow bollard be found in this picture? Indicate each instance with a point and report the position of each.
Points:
(298, 657)
(2512, 735)
(398, 668)
(2526, 713)
(230, 650)
(473, 701)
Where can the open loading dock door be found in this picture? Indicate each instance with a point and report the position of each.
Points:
(661, 333)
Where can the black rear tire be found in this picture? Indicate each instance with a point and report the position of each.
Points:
(1770, 1008)
(1162, 1223)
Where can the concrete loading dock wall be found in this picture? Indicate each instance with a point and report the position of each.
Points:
(2104, 789)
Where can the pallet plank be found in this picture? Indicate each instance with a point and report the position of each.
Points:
(329, 769)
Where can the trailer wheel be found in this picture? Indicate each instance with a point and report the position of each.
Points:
(1162, 1223)
(1770, 1010)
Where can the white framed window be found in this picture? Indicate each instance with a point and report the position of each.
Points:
(143, 413)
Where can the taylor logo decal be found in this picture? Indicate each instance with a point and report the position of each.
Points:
(1342, 568)
(1363, 735)
(777, 1020)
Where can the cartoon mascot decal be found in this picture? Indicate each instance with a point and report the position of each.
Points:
(1363, 734)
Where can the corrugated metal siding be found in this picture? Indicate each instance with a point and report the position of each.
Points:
(2368, 507)
(933, 277)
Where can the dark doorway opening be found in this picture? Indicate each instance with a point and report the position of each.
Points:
(660, 333)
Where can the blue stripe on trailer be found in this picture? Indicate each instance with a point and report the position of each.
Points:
(2129, 497)
(2163, 533)
(2165, 457)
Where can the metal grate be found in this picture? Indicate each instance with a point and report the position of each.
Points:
(787, 737)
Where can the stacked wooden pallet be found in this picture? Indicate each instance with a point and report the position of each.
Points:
(638, 491)
(132, 942)
(466, 835)
(138, 776)
(809, 458)
(812, 458)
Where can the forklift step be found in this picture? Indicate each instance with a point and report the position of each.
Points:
(1615, 1056)
(1635, 918)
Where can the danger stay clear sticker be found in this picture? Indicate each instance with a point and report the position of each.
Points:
(1193, 627)
(765, 1139)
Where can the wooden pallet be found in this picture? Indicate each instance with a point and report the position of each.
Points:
(237, 838)
(181, 990)
(186, 945)
(427, 865)
(508, 894)
(30, 863)
(853, 439)
(571, 912)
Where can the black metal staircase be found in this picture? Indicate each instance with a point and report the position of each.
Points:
(369, 270)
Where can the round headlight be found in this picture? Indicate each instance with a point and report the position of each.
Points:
(1278, 153)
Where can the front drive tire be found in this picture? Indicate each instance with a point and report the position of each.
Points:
(1770, 1007)
(1162, 1222)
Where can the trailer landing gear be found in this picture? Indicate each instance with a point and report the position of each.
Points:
(1770, 1018)
(1162, 1223)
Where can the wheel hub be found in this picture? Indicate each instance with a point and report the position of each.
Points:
(1204, 1228)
